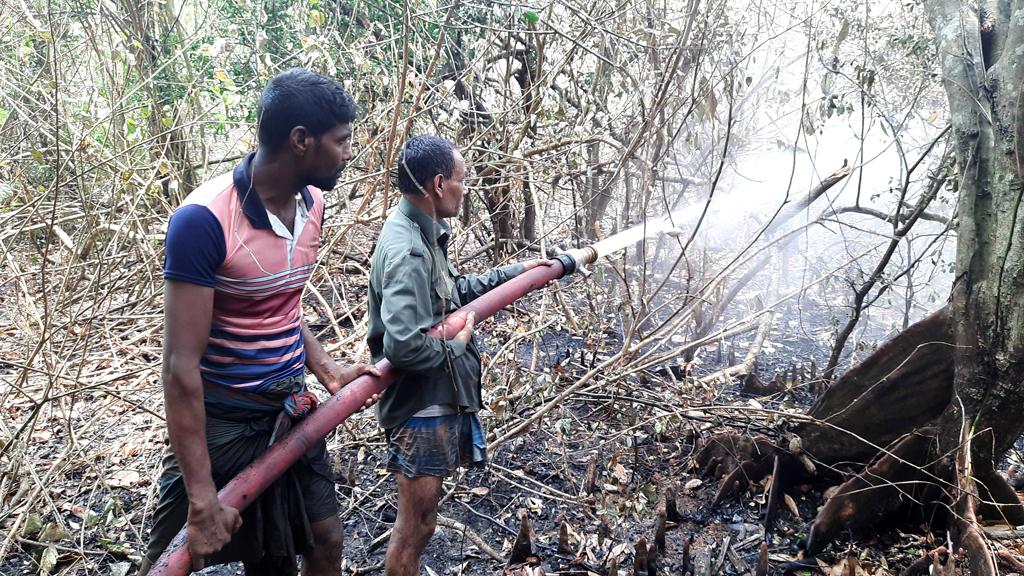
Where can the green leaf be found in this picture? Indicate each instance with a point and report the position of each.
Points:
(4, 113)
(531, 17)
(33, 524)
(48, 560)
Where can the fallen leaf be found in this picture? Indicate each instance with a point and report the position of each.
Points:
(74, 509)
(47, 560)
(618, 550)
(124, 479)
(129, 449)
(33, 524)
(480, 490)
(791, 504)
(621, 474)
(692, 484)
(53, 532)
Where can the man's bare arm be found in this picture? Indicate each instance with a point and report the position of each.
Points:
(188, 310)
(327, 371)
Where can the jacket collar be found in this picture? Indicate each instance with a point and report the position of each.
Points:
(252, 206)
(433, 230)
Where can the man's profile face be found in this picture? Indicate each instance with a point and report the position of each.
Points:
(454, 188)
(332, 151)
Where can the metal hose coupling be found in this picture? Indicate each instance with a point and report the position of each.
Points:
(574, 259)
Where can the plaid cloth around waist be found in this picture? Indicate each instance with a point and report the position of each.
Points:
(288, 395)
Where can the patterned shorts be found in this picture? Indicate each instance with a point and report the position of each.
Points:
(436, 445)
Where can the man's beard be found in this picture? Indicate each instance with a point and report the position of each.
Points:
(327, 182)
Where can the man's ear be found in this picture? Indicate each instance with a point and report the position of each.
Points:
(438, 180)
(300, 140)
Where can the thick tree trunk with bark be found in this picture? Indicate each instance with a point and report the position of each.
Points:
(983, 82)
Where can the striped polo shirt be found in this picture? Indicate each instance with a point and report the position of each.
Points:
(223, 237)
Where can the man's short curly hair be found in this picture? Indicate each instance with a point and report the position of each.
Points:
(298, 97)
(422, 158)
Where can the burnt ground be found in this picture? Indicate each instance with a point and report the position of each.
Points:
(637, 428)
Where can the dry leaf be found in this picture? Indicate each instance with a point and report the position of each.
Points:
(619, 549)
(791, 504)
(621, 474)
(124, 479)
(480, 490)
(129, 449)
(52, 533)
(74, 509)
(692, 484)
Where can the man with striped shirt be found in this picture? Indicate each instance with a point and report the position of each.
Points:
(238, 252)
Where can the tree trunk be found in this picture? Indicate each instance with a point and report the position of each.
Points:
(984, 92)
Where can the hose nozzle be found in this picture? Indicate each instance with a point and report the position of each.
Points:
(576, 258)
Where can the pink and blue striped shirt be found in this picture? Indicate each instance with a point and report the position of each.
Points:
(223, 237)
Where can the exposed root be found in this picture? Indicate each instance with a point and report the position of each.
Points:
(736, 458)
(980, 560)
(999, 501)
(903, 385)
(522, 548)
(864, 500)
(938, 561)
(753, 385)
(1009, 560)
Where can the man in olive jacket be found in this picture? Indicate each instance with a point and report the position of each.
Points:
(430, 413)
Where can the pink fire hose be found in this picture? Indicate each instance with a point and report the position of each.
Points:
(243, 489)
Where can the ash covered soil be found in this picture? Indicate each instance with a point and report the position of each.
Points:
(599, 463)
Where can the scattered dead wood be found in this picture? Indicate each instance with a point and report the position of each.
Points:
(563, 539)
(470, 535)
(736, 560)
(747, 366)
(659, 531)
(774, 496)
(522, 547)
(640, 556)
(685, 554)
(762, 561)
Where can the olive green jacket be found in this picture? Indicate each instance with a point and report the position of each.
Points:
(414, 286)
